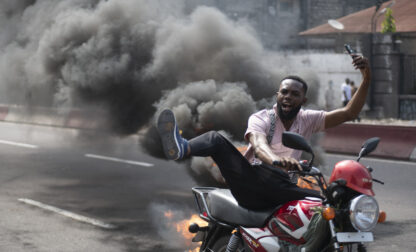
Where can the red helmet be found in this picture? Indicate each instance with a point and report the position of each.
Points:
(357, 176)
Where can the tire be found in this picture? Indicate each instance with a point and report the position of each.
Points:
(347, 247)
(220, 245)
(361, 248)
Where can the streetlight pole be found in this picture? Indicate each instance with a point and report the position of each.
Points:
(371, 57)
(372, 35)
(373, 18)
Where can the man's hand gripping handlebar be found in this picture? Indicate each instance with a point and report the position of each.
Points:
(288, 164)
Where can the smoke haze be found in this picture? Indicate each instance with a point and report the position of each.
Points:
(132, 58)
(119, 56)
(172, 225)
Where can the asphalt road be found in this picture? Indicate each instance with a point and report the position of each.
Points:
(396, 197)
(133, 201)
(56, 167)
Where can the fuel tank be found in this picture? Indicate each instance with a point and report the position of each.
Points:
(292, 219)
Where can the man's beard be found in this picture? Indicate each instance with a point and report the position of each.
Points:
(288, 116)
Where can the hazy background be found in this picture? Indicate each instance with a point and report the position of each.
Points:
(129, 59)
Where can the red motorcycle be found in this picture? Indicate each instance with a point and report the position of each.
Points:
(342, 221)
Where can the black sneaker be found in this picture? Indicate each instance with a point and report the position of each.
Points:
(174, 146)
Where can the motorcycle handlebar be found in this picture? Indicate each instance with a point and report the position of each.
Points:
(277, 163)
(378, 181)
(303, 163)
(310, 171)
(305, 166)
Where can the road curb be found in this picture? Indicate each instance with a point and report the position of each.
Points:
(396, 142)
(68, 118)
(413, 155)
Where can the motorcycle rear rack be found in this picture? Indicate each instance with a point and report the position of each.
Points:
(200, 194)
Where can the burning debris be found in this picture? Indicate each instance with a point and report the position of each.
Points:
(173, 226)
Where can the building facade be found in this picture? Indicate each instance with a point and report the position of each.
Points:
(278, 22)
(392, 54)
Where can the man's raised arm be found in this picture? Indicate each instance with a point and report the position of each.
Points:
(354, 106)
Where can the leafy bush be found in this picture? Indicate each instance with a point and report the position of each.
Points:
(389, 24)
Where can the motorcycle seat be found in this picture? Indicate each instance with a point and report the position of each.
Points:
(224, 207)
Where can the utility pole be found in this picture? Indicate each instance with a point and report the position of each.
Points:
(371, 58)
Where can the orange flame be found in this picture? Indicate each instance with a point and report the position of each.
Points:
(168, 214)
(181, 227)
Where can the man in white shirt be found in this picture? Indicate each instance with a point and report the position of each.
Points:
(346, 92)
(266, 183)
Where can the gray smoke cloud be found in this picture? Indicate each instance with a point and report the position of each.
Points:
(85, 52)
(203, 106)
(209, 105)
(119, 55)
(131, 58)
(208, 45)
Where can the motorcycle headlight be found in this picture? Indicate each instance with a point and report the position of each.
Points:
(364, 213)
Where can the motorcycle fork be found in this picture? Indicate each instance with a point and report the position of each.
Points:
(334, 235)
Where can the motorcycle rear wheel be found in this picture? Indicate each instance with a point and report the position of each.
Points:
(220, 245)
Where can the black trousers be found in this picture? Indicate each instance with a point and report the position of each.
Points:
(254, 186)
(344, 103)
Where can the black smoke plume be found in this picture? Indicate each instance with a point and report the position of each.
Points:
(131, 58)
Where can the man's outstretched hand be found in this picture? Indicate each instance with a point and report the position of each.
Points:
(362, 63)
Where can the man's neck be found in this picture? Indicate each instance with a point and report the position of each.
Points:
(288, 123)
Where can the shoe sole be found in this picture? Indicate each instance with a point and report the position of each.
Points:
(166, 127)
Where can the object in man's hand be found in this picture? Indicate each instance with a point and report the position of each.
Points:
(349, 49)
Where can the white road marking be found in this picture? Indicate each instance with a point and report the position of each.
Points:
(65, 213)
(19, 144)
(119, 160)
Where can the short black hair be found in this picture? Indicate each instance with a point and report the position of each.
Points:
(296, 78)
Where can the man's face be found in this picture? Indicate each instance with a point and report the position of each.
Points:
(290, 98)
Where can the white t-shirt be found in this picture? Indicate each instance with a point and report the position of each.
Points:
(306, 123)
(347, 89)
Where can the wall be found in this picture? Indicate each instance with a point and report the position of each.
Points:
(397, 142)
(394, 77)
(325, 66)
(407, 42)
(386, 67)
(407, 46)
(278, 22)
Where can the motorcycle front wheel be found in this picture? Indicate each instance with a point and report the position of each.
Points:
(346, 248)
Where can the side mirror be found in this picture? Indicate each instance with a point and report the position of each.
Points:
(368, 146)
(297, 142)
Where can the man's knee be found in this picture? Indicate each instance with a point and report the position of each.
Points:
(215, 137)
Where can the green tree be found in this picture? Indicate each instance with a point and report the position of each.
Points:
(389, 24)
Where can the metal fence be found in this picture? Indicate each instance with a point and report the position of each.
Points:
(408, 88)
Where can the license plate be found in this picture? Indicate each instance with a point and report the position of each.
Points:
(355, 237)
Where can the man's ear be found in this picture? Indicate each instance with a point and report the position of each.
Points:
(304, 100)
